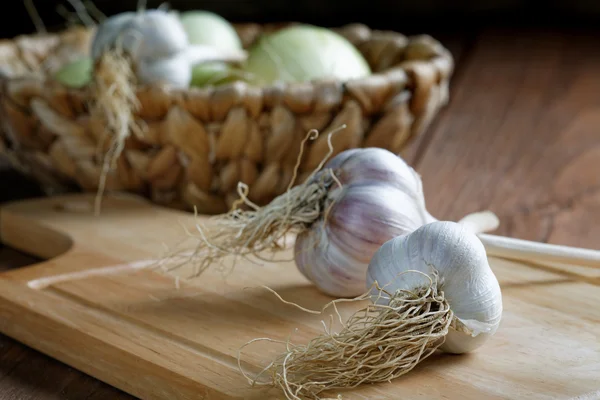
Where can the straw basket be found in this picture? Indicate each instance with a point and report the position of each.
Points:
(199, 143)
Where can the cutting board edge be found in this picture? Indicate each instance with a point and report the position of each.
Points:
(43, 323)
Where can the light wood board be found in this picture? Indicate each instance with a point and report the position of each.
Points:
(142, 334)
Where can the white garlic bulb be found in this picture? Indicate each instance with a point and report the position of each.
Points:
(380, 198)
(174, 71)
(108, 31)
(158, 46)
(460, 259)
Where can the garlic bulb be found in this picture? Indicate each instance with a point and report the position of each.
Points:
(382, 197)
(342, 214)
(108, 32)
(465, 277)
(158, 46)
(154, 34)
(165, 71)
(379, 199)
(430, 289)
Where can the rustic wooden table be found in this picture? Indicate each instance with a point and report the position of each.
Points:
(520, 137)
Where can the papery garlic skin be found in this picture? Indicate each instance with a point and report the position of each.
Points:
(170, 71)
(460, 259)
(108, 32)
(155, 34)
(380, 198)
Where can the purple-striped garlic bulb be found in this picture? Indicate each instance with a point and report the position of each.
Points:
(380, 198)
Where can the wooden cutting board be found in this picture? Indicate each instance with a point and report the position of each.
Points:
(144, 334)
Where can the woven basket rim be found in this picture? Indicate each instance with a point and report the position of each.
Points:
(442, 53)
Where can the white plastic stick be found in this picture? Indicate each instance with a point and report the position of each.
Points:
(518, 249)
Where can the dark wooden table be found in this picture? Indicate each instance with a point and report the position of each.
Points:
(521, 136)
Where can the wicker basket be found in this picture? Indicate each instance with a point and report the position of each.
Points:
(200, 143)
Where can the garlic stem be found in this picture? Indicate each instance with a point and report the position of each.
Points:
(518, 249)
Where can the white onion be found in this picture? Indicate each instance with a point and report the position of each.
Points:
(207, 28)
(303, 53)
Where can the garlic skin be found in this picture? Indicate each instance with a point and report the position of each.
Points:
(379, 199)
(108, 32)
(155, 34)
(173, 71)
(459, 257)
(152, 34)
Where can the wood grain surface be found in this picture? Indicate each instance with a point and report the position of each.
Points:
(26, 374)
(142, 332)
(520, 137)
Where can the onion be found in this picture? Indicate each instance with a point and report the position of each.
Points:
(209, 29)
(303, 53)
(77, 73)
(204, 27)
(214, 73)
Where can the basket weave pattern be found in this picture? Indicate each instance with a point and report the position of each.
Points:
(197, 144)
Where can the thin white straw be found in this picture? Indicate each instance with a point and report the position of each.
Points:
(518, 249)
(42, 283)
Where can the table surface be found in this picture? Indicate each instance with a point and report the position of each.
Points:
(519, 137)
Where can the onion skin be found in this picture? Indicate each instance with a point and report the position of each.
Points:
(210, 29)
(303, 53)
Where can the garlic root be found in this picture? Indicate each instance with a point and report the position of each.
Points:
(378, 343)
(438, 292)
(114, 103)
(249, 232)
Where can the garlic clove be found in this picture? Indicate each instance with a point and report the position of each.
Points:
(469, 284)
(323, 263)
(366, 216)
(455, 342)
(335, 253)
